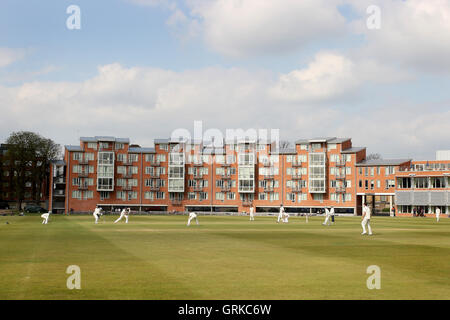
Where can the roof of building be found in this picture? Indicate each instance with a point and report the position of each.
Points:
(156, 141)
(382, 162)
(73, 148)
(353, 149)
(141, 150)
(58, 162)
(104, 138)
(339, 140)
(286, 151)
(322, 139)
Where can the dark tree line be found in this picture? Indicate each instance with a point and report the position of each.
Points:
(29, 155)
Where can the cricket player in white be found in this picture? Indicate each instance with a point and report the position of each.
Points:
(192, 215)
(438, 213)
(252, 217)
(332, 214)
(97, 213)
(280, 214)
(286, 217)
(327, 217)
(124, 213)
(366, 219)
(45, 216)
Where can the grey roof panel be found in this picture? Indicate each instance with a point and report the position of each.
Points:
(73, 148)
(353, 150)
(156, 141)
(141, 150)
(382, 162)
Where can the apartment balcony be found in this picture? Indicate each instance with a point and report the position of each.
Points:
(83, 187)
(126, 188)
(225, 188)
(127, 175)
(154, 175)
(340, 190)
(155, 163)
(247, 203)
(59, 181)
(176, 202)
(266, 164)
(296, 163)
(198, 188)
(268, 189)
(127, 163)
(83, 161)
(226, 176)
(83, 174)
(296, 177)
(197, 164)
(296, 189)
(155, 188)
(340, 176)
(340, 163)
(226, 164)
(268, 177)
(198, 176)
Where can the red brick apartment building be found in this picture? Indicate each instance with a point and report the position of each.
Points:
(193, 176)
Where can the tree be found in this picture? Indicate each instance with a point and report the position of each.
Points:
(29, 155)
(374, 156)
(284, 144)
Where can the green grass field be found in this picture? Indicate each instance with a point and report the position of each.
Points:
(225, 257)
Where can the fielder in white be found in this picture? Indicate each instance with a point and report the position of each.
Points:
(327, 217)
(97, 213)
(192, 215)
(45, 216)
(124, 213)
(252, 217)
(366, 219)
(285, 217)
(438, 213)
(280, 214)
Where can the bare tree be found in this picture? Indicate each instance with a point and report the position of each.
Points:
(284, 144)
(374, 156)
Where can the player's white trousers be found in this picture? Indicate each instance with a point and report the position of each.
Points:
(252, 217)
(327, 220)
(190, 219)
(437, 217)
(364, 223)
(120, 218)
(45, 217)
(96, 217)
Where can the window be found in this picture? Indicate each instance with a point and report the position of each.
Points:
(220, 196)
(76, 194)
(119, 145)
(133, 157)
(437, 182)
(231, 196)
(77, 156)
(92, 145)
(104, 195)
(421, 183)
(132, 195)
(203, 196)
(149, 195)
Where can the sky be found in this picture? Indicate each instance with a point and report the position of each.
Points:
(376, 71)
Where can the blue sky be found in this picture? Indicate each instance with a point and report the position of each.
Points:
(309, 68)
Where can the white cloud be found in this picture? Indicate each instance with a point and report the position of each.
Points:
(332, 76)
(146, 103)
(253, 27)
(414, 33)
(9, 55)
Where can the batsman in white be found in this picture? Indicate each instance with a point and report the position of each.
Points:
(438, 214)
(252, 217)
(280, 214)
(97, 213)
(327, 217)
(45, 216)
(124, 213)
(366, 219)
(192, 215)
